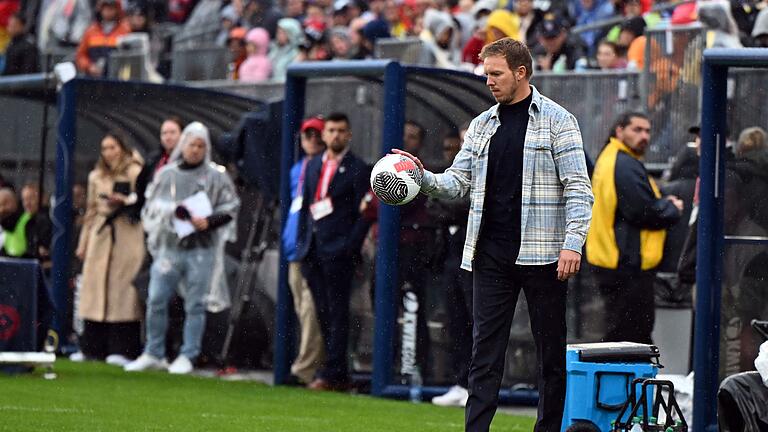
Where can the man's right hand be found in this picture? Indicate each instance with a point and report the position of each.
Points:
(677, 202)
(411, 157)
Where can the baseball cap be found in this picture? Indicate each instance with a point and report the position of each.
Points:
(551, 26)
(237, 33)
(313, 123)
(694, 129)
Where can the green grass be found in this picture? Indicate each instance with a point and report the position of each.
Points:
(98, 397)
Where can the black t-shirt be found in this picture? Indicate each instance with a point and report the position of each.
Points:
(504, 183)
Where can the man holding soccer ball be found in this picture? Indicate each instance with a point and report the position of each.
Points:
(522, 163)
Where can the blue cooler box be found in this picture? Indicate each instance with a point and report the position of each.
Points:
(599, 379)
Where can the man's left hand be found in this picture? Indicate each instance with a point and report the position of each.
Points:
(568, 264)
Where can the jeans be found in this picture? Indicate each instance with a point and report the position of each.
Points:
(193, 268)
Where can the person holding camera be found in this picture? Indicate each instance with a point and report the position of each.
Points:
(111, 247)
(190, 212)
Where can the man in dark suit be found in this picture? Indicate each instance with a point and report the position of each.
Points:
(331, 232)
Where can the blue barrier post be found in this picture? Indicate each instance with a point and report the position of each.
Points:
(62, 211)
(710, 247)
(385, 307)
(293, 107)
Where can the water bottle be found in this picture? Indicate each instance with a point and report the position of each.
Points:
(415, 389)
(636, 427)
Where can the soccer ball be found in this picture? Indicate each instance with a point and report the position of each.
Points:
(395, 179)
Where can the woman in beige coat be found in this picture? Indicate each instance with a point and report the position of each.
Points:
(112, 249)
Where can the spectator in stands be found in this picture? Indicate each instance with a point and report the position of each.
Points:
(557, 51)
(723, 32)
(440, 45)
(593, 11)
(369, 34)
(186, 255)
(101, 38)
(393, 15)
(340, 44)
(502, 23)
(626, 239)
(63, 23)
(760, 30)
(458, 284)
(21, 55)
(285, 47)
(529, 19)
(610, 56)
(294, 9)
(262, 13)
(257, 67)
(180, 10)
(40, 227)
(111, 247)
(340, 17)
(331, 232)
(314, 47)
(22, 234)
(229, 20)
(237, 50)
(471, 52)
(632, 9)
(7, 9)
(311, 352)
(632, 39)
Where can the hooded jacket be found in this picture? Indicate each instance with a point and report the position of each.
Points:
(435, 23)
(504, 20)
(282, 56)
(257, 67)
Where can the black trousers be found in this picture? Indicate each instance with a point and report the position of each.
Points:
(330, 281)
(100, 339)
(497, 284)
(630, 307)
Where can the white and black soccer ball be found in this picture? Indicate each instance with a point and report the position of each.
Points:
(395, 179)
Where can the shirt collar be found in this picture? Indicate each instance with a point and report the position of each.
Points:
(337, 159)
(534, 109)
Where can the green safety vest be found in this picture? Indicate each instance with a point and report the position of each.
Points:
(15, 244)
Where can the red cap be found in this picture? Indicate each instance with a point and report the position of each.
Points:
(313, 123)
(238, 33)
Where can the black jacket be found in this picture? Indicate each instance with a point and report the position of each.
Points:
(21, 57)
(342, 232)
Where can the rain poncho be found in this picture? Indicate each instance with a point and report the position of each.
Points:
(172, 185)
(283, 56)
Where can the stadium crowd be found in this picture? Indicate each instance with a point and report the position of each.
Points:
(264, 37)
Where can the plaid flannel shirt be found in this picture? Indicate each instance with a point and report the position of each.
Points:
(556, 197)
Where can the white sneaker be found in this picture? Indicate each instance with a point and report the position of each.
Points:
(117, 360)
(146, 362)
(77, 357)
(180, 366)
(455, 396)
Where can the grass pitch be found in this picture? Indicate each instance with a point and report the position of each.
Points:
(98, 397)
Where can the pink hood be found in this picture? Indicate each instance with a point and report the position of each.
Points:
(259, 37)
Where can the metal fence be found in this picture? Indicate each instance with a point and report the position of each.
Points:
(200, 63)
(672, 84)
